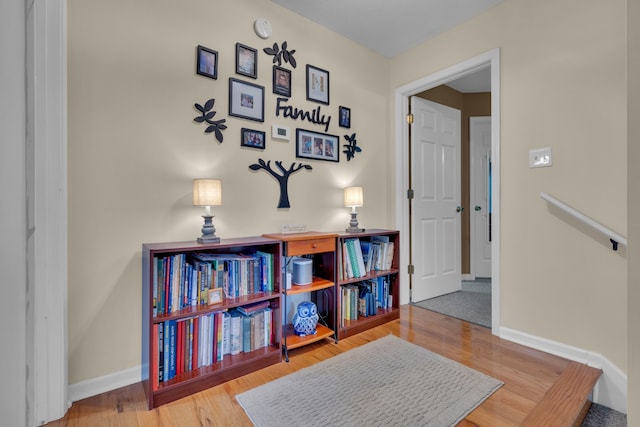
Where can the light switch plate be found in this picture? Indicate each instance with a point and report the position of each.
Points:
(540, 158)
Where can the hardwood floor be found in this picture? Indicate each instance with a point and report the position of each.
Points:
(530, 378)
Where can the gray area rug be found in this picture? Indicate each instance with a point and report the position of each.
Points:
(472, 303)
(382, 383)
(601, 416)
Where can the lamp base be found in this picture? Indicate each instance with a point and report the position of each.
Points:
(208, 231)
(353, 224)
(354, 230)
(208, 239)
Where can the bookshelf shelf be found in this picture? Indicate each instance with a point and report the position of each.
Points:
(321, 247)
(295, 341)
(250, 269)
(317, 284)
(228, 303)
(385, 279)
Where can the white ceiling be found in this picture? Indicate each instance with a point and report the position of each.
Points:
(390, 27)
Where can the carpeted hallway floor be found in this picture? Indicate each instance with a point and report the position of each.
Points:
(472, 303)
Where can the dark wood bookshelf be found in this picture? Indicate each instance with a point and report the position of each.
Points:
(321, 248)
(348, 327)
(231, 366)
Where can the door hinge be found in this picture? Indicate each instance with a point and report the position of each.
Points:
(410, 194)
(410, 269)
(410, 118)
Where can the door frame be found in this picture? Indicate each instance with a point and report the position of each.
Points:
(47, 256)
(473, 170)
(402, 94)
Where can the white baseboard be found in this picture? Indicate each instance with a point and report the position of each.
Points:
(611, 388)
(95, 386)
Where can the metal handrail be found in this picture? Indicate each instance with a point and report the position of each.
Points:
(614, 237)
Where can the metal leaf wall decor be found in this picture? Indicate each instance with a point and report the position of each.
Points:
(352, 147)
(216, 126)
(280, 54)
(282, 177)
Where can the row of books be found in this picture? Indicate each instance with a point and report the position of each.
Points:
(182, 280)
(359, 257)
(187, 344)
(363, 299)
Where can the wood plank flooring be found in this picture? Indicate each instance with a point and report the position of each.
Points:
(529, 376)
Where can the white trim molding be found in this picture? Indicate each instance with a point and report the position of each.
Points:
(402, 94)
(94, 386)
(611, 388)
(46, 169)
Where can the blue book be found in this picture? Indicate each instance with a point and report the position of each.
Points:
(160, 352)
(165, 374)
(172, 348)
(367, 254)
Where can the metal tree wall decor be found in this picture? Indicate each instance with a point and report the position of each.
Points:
(207, 116)
(283, 178)
(351, 148)
(280, 54)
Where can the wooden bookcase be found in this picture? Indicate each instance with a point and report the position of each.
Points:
(231, 366)
(321, 247)
(348, 327)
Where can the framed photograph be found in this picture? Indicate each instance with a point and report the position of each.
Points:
(319, 146)
(207, 62)
(214, 296)
(344, 115)
(317, 85)
(281, 81)
(246, 61)
(252, 138)
(280, 132)
(246, 100)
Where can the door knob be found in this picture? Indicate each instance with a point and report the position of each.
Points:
(478, 208)
(459, 209)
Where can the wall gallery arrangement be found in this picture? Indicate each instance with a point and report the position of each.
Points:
(247, 100)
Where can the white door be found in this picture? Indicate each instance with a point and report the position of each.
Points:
(435, 209)
(480, 185)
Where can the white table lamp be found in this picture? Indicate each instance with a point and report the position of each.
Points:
(353, 198)
(207, 192)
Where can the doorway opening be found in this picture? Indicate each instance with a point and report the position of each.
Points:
(490, 59)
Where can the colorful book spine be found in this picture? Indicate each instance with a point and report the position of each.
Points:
(160, 352)
(353, 261)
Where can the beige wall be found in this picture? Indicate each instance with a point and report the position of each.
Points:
(134, 148)
(562, 85)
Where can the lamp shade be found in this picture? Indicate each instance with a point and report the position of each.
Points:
(353, 197)
(207, 192)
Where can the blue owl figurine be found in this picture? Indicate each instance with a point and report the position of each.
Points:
(305, 319)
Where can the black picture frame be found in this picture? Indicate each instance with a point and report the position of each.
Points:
(317, 85)
(318, 146)
(253, 138)
(344, 117)
(246, 100)
(246, 61)
(281, 81)
(207, 62)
